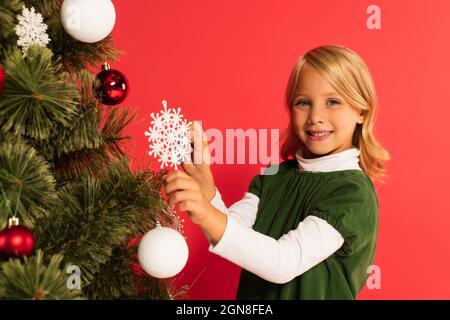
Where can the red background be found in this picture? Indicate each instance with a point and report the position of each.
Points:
(227, 63)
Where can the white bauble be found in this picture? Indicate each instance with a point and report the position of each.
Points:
(88, 20)
(163, 252)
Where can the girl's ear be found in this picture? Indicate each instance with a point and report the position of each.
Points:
(361, 117)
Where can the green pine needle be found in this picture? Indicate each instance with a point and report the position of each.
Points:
(112, 124)
(81, 151)
(31, 279)
(87, 225)
(35, 97)
(8, 12)
(98, 215)
(94, 137)
(26, 182)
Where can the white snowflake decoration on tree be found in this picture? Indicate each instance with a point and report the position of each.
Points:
(31, 29)
(169, 137)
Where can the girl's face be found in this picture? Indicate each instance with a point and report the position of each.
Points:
(318, 108)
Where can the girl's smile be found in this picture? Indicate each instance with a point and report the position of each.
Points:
(323, 120)
(319, 135)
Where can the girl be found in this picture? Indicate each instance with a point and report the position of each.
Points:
(308, 231)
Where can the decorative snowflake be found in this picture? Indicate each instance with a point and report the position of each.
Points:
(31, 29)
(169, 137)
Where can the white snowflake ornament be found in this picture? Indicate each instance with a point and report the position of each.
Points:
(31, 29)
(169, 137)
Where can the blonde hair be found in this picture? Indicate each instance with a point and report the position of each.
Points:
(348, 74)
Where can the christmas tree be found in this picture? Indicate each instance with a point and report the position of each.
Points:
(63, 170)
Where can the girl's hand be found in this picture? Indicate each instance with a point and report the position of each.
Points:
(198, 164)
(185, 191)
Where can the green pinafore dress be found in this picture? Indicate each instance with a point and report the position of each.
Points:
(346, 199)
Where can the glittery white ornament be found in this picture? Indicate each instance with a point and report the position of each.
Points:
(163, 252)
(31, 29)
(88, 20)
(169, 137)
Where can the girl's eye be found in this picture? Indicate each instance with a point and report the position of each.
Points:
(301, 102)
(334, 101)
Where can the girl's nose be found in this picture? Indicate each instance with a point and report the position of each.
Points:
(315, 115)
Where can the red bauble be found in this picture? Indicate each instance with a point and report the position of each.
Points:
(2, 80)
(110, 86)
(16, 241)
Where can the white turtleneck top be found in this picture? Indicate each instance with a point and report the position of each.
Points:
(281, 260)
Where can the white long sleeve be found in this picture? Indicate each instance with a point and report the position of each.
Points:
(281, 260)
(277, 261)
(244, 211)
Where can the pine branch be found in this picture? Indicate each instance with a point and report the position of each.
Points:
(75, 55)
(88, 209)
(76, 147)
(83, 131)
(140, 190)
(121, 277)
(113, 121)
(31, 279)
(116, 279)
(96, 217)
(35, 97)
(91, 148)
(94, 137)
(45, 7)
(82, 134)
(87, 227)
(25, 181)
(8, 12)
